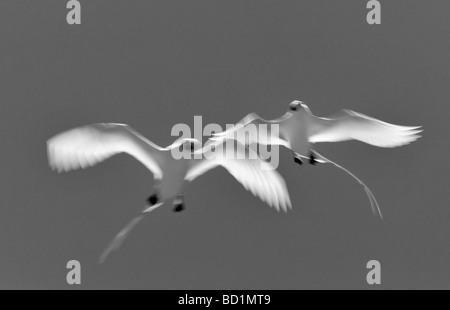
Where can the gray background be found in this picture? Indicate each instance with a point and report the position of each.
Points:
(152, 64)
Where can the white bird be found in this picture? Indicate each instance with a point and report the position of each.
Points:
(86, 146)
(299, 129)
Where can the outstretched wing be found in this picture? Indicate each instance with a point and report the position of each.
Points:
(348, 125)
(254, 129)
(255, 174)
(86, 146)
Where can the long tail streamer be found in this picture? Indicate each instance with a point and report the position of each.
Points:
(373, 202)
(118, 240)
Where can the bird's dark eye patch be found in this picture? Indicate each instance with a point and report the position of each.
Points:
(293, 108)
(192, 147)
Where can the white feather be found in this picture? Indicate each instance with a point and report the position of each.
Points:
(349, 125)
(86, 146)
(254, 174)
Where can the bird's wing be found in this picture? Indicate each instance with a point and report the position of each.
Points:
(255, 174)
(348, 125)
(254, 129)
(88, 145)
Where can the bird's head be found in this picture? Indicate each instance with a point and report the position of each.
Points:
(298, 106)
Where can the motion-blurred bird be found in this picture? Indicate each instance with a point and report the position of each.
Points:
(298, 129)
(86, 146)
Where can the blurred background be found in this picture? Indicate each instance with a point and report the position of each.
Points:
(152, 64)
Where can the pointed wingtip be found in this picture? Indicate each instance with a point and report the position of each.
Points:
(413, 128)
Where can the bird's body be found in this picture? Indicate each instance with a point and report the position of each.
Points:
(298, 130)
(86, 146)
(294, 130)
(173, 180)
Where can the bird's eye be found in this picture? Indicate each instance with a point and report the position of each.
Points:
(293, 108)
(192, 147)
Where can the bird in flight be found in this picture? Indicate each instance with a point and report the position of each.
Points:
(299, 129)
(86, 146)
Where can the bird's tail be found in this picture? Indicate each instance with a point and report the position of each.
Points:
(123, 234)
(373, 202)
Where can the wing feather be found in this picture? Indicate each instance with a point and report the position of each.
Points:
(250, 130)
(349, 125)
(256, 175)
(89, 145)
